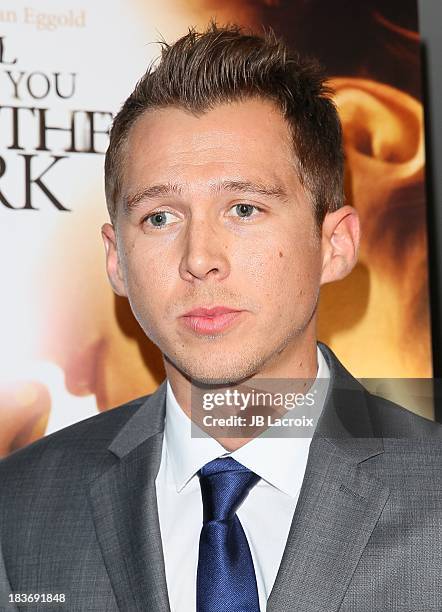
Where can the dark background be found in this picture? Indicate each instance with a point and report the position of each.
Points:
(374, 39)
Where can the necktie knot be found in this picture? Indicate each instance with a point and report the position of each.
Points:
(225, 484)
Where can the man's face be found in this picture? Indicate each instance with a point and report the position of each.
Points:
(217, 218)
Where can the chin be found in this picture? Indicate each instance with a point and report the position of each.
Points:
(216, 374)
(213, 381)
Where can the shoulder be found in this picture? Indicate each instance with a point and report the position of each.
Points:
(390, 420)
(81, 447)
(387, 419)
(411, 460)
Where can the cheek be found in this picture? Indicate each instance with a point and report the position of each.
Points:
(281, 268)
(147, 275)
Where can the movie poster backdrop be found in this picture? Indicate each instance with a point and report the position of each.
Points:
(69, 347)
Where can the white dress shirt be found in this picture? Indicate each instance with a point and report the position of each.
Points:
(266, 513)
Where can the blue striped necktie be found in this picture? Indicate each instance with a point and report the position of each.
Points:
(226, 580)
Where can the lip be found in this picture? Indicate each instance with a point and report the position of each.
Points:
(209, 312)
(211, 320)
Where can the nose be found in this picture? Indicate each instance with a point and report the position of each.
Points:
(205, 254)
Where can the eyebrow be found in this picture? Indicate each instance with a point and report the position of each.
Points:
(162, 190)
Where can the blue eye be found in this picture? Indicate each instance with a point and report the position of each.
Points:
(244, 210)
(158, 218)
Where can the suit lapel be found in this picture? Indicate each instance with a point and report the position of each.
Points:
(337, 511)
(124, 507)
(338, 507)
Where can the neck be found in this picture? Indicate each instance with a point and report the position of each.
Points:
(294, 362)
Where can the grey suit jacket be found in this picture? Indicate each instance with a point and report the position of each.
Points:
(78, 512)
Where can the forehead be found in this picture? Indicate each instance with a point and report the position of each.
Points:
(249, 137)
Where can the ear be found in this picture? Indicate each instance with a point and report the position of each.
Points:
(340, 243)
(113, 265)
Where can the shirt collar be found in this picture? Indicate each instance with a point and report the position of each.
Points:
(279, 461)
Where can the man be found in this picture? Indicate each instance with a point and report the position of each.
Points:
(224, 185)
